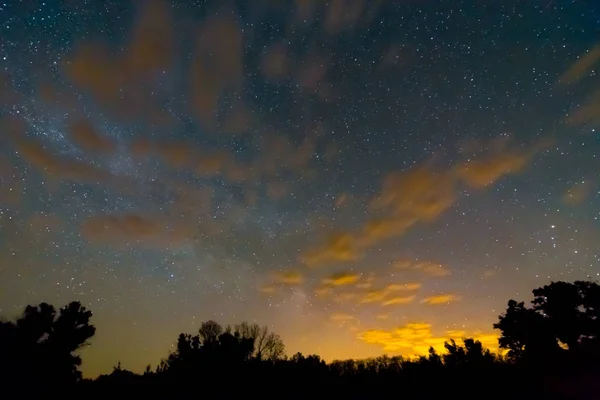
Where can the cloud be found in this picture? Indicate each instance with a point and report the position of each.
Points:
(389, 292)
(123, 82)
(422, 194)
(338, 280)
(441, 299)
(342, 279)
(343, 199)
(268, 289)
(581, 67)
(588, 112)
(340, 247)
(84, 135)
(415, 338)
(124, 230)
(434, 269)
(347, 287)
(428, 268)
(289, 278)
(277, 281)
(399, 300)
(479, 173)
(578, 193)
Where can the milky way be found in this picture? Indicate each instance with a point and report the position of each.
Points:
(361, 176)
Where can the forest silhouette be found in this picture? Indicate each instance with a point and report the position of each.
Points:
(552, 352)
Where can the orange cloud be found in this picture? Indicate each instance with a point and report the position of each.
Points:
(382, 295)
(84, 135)
(441, 299)
(434, 269)
(415, 339)
(121, 82)
(289, 278)
(581, 67)
(426, 267)
(340, 201)
(399, 300)
(589, 112)
(479, 173)
(578, 193)
(342, 279)
(343, 298)
(420, 195)
(341, 247)
(268, 289)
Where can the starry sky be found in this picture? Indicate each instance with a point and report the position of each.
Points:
(364, 177)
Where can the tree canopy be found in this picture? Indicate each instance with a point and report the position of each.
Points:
(552, 353)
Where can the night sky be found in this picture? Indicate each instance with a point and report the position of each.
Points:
(364, 177)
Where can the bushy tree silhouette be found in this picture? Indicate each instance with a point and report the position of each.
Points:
(39, 347)
(564, 317)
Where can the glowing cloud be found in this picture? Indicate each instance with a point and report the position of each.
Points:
(382, 295)
(581, 67)
(342, 279)
(417, 337)
(340, 247)
(441, 299)
(420, 195)
(428, 268)
(399, 300)
(290, 278)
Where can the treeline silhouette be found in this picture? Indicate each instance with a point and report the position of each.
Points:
(552, 352)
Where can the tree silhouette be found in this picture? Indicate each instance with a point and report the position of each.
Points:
(472, 354)
(267, 345)
(525, 333)
(563, 315)
(40, 345)
(573, 310)
(553, 354)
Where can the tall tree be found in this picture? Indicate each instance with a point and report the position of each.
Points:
(267, 345)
